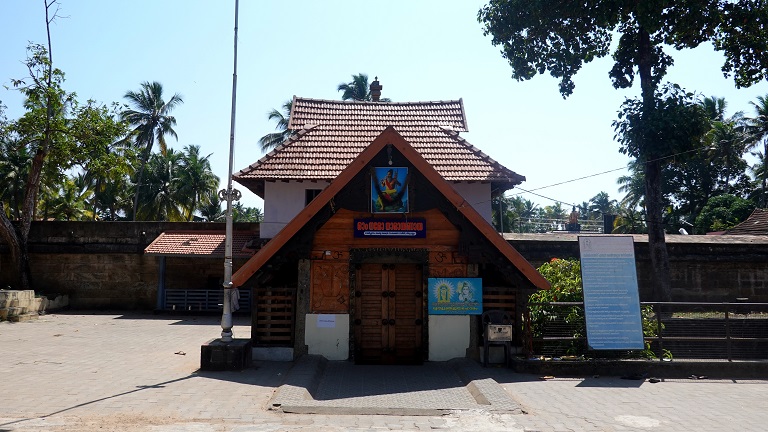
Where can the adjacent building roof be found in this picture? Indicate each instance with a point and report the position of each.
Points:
(755, 224)
(331, 134)
(201, 243)
(421, 164)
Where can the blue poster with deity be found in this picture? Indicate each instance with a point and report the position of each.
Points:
(389, 190)
(455, 296)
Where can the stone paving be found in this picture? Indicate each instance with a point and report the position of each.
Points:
(315, 385)
(118, 372)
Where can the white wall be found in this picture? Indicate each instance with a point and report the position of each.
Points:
(329, 342)
(478, 195)
(448, 336)
(282, 202)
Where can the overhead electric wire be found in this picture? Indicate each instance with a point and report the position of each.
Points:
(594, 175)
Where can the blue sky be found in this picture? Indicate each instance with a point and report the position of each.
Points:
(420, 50)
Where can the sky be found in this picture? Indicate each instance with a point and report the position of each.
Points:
(421, 50)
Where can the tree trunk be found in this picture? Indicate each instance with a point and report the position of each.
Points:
(138, 188)
(653, 197)
(662, 287)
(18, 256)
(764, 196)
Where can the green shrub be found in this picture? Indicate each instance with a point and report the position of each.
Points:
(564, 276)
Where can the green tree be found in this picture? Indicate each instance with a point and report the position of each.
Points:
(502, 209)
(70, 201)
(212, 211)
(58, 133)
(241, 213)
(601, 204)
(558, 36)
(714, 107)
(723, 212)
(281, 118)
(758, 134)
(108, 175)
(629, 220)
(727, 142)
(198, 182)
(15, 162)
(758, 171)
(358, 89)
(151, 121)
(163, 200)
(671, 123)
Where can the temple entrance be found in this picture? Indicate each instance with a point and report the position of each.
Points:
(389, 311)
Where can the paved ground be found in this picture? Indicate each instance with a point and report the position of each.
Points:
(114, 372)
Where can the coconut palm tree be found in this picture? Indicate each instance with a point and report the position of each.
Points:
(601, 204)
(198, 181)
(212, 211)
(163, 200)
(758, 134)
(714, 107)
(150, 117)
(633, 185)
(274, 139)
(15, 161)
(727, 141)
(358, 89)
(758, 171)
(71, 201)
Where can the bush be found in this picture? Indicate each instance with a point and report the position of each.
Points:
(564, 276)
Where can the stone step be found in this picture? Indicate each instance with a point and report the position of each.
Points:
(24, 317)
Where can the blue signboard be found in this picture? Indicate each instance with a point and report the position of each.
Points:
(455, 296)
(611, 299)
(411, 228)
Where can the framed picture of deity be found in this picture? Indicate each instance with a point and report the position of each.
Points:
(389, 190)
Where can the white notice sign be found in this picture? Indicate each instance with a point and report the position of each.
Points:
(611, 300)
(326, 321)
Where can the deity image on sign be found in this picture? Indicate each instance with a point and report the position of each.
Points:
(465, 292)
(455, 296)
(443, 291)
(389, 190)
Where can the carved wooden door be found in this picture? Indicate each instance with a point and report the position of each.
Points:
(389, 312)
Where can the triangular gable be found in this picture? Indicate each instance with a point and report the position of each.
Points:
(388, 136)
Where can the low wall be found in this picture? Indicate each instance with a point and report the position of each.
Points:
(703, 268)
(101, 265)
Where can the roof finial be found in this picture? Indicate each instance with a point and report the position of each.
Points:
(376, 89)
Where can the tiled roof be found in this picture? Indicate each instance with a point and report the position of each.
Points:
(201, 243)
(330, 134)
(388, 137)
(756, 224)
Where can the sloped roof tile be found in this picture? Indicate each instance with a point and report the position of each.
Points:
(755, 224)
(200, 243)
(330, 135)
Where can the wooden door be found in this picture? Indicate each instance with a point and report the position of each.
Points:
(389, 314)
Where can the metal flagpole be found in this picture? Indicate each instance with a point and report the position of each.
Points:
(226, 317)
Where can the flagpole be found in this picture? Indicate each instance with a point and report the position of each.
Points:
(226, 317)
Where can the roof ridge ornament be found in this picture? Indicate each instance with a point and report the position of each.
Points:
(376, 90)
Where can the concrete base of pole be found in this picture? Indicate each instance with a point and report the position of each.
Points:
(216, 355)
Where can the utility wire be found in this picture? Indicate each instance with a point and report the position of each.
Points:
(595, 175)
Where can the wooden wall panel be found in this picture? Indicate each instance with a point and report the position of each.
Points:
(330, 287)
